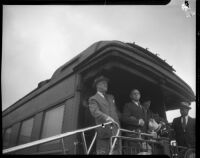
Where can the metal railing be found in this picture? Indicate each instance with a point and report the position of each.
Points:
(182, 151)
(87, 150)
(139, 137)
(151, 139)
(59, 136)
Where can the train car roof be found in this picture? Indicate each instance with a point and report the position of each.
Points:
(69, 67)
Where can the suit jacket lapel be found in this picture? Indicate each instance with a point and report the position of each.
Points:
(188, 123)
(102, 99)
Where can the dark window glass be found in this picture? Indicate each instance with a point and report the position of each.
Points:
(7, 137)
(52, 126)
(25, 131)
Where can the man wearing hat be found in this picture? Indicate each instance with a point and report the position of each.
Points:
(184, 127)
(103, 109)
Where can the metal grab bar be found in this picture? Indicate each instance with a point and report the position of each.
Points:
(59, 136)
(138, 133)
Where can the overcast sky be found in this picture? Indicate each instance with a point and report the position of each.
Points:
(39, 39)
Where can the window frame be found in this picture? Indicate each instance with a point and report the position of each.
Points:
(47, 147)
(21, 123)
(9, 142)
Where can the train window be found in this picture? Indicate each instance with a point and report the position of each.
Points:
(7, 138)
(25, 131)
(53, 122)
(52, 126)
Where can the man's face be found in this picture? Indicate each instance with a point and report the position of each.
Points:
(135, 95)
(147, 104)
(102, 86)
(184, 111)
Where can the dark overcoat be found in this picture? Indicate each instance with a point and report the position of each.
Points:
(131, 115)
(187, 137)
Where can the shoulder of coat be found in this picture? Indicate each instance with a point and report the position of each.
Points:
(93, 97)
(110, 96)
(128, 104)
(176, 119)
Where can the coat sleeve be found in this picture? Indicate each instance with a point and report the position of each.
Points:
(173, 134)
(128, 118)
(115, 107)
(173, 124)
(95, 111)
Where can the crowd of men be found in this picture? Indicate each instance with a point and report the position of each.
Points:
(136, 116)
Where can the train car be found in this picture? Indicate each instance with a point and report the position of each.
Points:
(59, 104)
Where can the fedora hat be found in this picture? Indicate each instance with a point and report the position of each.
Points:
(98, 79)
(185, 105)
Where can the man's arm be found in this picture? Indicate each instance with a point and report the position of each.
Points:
(128, 118)
(115, 107)
(96, 112)
(173, 126)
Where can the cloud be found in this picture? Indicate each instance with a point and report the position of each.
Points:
(39, 39)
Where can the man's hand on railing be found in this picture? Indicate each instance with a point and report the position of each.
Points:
(141, 122)
(110, 119)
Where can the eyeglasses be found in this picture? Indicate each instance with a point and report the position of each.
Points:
(136, 93)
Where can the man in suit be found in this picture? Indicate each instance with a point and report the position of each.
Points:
(152, 117)
(103, 109)
(155, 124)
(134, 115)
(184, 127)
(134, 118)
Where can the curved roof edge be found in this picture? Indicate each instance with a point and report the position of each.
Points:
(81, 57)
(100, 44)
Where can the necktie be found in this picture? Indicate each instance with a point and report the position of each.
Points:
(105, 97)
(184, 123)
(140, 106)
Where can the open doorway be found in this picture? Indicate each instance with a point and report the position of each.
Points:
(120, 84)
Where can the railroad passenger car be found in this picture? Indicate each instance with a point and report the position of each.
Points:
(59, 104)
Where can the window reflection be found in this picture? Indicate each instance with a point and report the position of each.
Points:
(25, 132)
(7, 137)
(52, 125)
(53, 122)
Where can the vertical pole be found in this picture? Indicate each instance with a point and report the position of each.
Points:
(63, 144)
(84, 141)
(115, 140)
(92, 143)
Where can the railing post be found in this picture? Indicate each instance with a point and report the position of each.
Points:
(84, 141)
(75, 149)
(63, 146)
(95, 135)
(114, 142)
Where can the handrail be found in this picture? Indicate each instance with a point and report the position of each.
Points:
(117, 136)
(52, 138)
(61, 136)
(153, 139)
(138, 133)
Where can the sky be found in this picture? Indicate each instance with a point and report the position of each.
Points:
(38, 39)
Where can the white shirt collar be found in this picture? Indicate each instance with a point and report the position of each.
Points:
(101, 94)
(137, 103)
